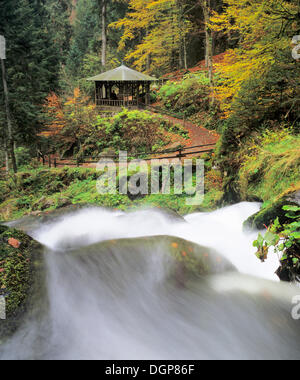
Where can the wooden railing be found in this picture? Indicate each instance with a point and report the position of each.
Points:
(180, 152)
(117, 103)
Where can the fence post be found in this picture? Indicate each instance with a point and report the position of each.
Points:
(180, 153)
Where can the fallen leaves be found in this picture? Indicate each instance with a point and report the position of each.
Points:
(14, 243)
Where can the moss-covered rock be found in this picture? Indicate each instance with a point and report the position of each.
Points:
(21, 276)
(269, 214)
(175, 260)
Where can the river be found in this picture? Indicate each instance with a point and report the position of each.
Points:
(123, 306)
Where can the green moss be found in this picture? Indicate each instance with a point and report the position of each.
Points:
(49, 189)
(17, 275)
(270, 166)
(270, 212)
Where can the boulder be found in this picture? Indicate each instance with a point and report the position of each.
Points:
(22, 278)
(267, 215)
(36, 218)
(64, 202)
(43, 204)
(174, 260)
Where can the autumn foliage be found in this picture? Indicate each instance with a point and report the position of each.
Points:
(68, 119)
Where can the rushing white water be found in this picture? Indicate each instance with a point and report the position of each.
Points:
(222, 230)
(120, 304)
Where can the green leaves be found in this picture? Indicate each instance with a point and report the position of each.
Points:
(271, 239)
(293, 210)
(284, 239)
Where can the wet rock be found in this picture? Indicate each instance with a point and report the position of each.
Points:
(22, 278)
(170, 259)
(172, 215)
(267, 215)
(43, 204)
(64, 202)
(36, 218)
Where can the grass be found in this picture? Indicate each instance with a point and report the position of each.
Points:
(48, 189)
(271, 166)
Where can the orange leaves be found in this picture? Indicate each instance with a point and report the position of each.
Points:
(66, 118)
(54, 110)
(14, 243)
(76, 93)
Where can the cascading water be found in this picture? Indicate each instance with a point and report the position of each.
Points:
(117, 301)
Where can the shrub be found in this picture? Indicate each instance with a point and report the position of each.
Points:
(133, 131)
(187, 97)
(23, 156)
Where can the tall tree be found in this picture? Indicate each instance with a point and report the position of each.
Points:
(104, 32)
(155, 30)
(60, 14)
(32, 64)
(264, 29)
(9, 141)
(93, 46)
(206, 8)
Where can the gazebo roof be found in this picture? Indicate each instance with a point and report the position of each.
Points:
(122, 74)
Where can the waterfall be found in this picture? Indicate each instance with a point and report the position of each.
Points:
(117, 299)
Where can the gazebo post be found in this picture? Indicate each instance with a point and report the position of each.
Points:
(147, 94)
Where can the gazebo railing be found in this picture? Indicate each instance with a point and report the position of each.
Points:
(117, 103)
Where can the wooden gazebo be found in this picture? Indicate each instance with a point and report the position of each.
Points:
(122, 87)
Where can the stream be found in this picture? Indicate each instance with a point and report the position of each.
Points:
(122, 302)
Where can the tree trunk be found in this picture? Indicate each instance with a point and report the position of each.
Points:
(6, 158)
(148, 61)
(10, 141)
(104, 32)
(185, 54)
(148, 65)
(208, 46)
(180, 21)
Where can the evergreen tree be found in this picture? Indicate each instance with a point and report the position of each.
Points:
(32, 64)
(89, 54)
(60, 24)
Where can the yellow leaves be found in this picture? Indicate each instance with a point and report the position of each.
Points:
(259, 44)
(160, 24)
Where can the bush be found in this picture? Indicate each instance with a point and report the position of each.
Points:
(133, 131)
(23, 156)
(187, 97)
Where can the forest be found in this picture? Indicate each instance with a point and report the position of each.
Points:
(224, 88)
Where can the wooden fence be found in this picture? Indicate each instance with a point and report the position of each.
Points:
(180, 153)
